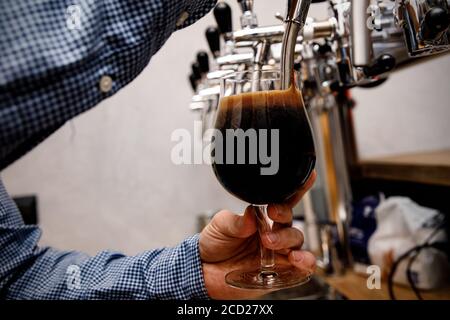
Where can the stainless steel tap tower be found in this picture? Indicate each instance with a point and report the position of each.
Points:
(359, 44)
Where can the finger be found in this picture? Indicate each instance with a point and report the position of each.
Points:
(283, 239)
(280, 213)
(303, 260)
(233, 225)
(293, 200)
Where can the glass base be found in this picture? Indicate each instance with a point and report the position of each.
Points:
(281, 277)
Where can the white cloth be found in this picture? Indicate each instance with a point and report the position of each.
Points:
(402, 225)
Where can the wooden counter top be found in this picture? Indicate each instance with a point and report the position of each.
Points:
(353, 286)
(425, 167)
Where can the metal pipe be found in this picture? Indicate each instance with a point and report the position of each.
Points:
(313, 30)
(361, 34)
(297, 11)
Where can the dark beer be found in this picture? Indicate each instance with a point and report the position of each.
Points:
(278, 109)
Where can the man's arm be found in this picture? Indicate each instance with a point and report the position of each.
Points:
(54, 56)
(228, 242)
(30, 272)
(61, 58)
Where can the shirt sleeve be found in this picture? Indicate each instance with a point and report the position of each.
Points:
(30, 272)
(55, 55)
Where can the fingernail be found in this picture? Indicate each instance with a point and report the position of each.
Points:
(298, 256)
(272, 237)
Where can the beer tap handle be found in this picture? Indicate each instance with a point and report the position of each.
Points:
(193, 82)
(196, 71)
(222, 13)
(213, 38)
(382, 64)
(203, 61)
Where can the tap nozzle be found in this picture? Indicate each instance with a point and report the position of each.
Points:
(297, 11)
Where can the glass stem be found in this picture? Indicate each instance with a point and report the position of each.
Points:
(264, 226)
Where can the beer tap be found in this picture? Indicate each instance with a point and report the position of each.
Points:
(236, 59)
(297, 11)
(193, 82)
(213, 38)
(248, 18)
(203, 62)
(195, 76)
(195, 68)
(222, 13)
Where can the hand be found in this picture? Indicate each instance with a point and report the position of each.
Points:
(231, 242)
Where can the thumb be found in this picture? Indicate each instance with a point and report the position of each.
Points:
(233, 225)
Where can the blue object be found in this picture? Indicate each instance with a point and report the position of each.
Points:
(362, 227)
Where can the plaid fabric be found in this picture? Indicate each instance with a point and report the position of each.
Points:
(53, 54)
(52, 58)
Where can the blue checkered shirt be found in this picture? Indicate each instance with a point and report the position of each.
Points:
(53, 54)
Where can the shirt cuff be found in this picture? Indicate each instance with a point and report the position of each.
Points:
(177, 273)
(195, 283)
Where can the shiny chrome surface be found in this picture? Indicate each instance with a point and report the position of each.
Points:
(312, 30)
(334, 54)
(297, 11)
(216, 75)
(274, 33)
(361, 34)
(246, 58)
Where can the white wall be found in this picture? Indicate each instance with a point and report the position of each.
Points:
(410, 112)
(105, 180)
